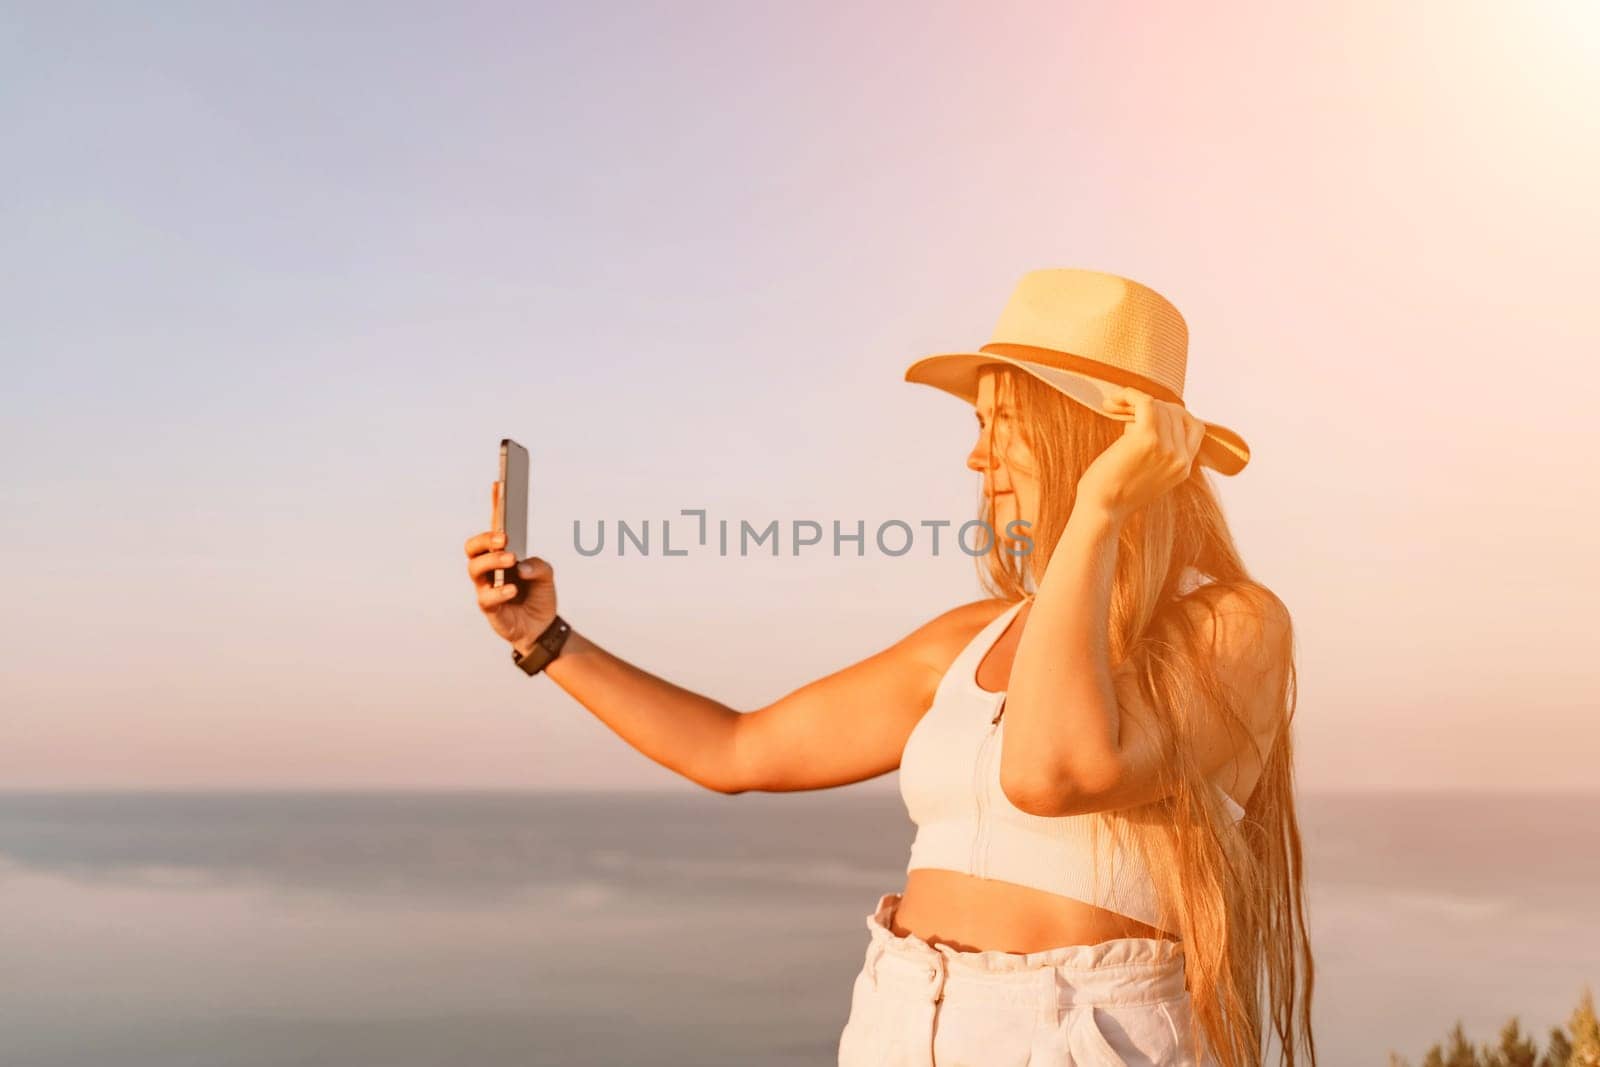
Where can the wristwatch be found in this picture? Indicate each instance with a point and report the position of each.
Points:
(546, 647)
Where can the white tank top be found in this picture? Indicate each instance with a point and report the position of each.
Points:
(950, 782)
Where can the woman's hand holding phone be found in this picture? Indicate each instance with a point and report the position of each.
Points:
(520, 609)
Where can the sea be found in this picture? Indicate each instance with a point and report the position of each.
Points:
(679, 928)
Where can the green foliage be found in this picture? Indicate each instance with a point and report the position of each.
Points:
(1576, 1046)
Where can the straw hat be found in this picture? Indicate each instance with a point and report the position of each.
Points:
(1084, 332)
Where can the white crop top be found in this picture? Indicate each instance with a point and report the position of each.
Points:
(950, 782)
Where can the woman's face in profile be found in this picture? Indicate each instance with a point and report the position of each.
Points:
(1003, 457)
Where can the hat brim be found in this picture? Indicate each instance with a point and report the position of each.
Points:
(956, 373)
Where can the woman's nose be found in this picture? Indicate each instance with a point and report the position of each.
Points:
(980, 460)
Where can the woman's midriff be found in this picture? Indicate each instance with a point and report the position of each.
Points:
(973, 914)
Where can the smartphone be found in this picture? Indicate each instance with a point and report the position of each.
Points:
(511, 512)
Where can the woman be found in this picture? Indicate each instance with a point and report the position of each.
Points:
(1098, 757)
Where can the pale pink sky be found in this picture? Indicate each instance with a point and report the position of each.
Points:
(276, 290)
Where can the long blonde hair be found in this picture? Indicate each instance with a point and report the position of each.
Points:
(1233, 893)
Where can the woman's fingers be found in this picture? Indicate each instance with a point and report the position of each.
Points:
(490, 596)
(1194, 437)
(1171, 417)
(479, 567)
(486, 553)
(484, 542)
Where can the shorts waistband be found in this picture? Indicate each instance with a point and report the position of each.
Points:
(1126, 970)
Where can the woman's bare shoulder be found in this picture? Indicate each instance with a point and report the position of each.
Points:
(937, 642)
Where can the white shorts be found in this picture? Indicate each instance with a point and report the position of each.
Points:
(1118, 1003)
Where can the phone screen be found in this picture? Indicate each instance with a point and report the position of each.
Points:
(512, 513)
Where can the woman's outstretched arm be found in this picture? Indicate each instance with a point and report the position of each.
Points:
(845, 727)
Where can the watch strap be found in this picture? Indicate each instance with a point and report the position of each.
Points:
(546, 647)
